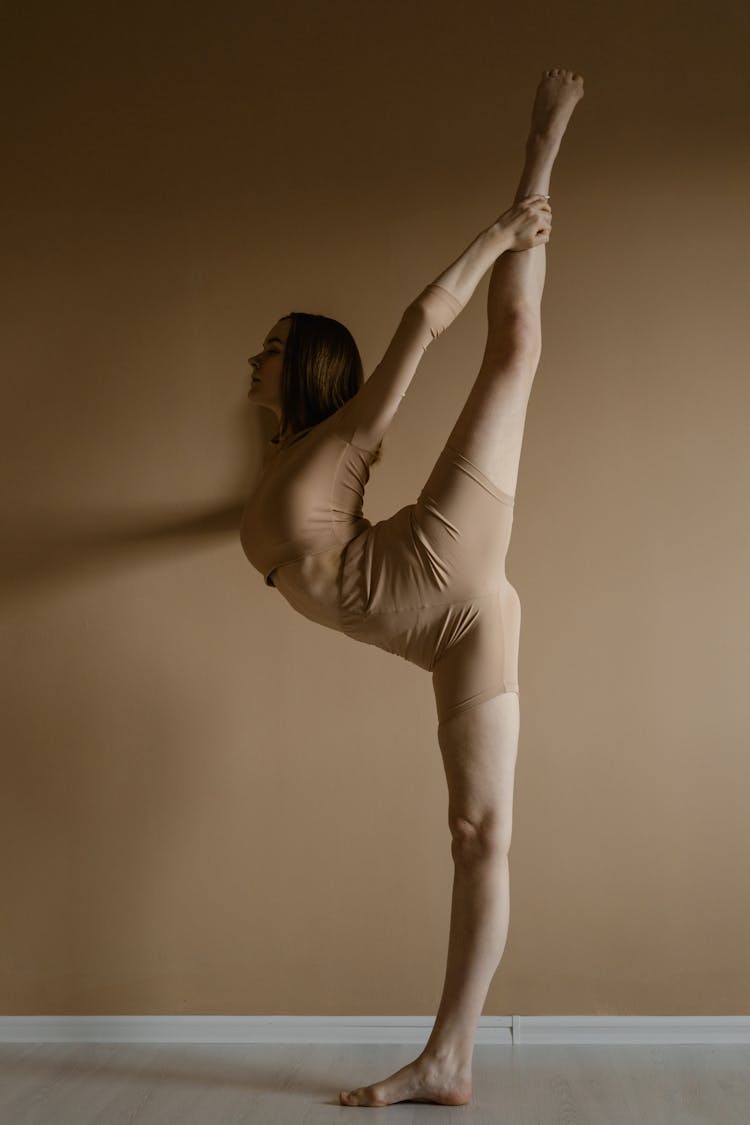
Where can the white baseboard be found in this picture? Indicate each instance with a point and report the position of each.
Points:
(492, 1030)
(631, 1029)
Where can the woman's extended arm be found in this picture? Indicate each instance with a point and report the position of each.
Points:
(462, 276)
(367, 416)
(521, 227)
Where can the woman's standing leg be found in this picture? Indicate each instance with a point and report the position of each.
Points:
(479, 746)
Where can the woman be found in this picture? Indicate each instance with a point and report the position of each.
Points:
(427, 584)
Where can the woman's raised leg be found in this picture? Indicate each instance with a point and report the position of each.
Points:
(489, 430)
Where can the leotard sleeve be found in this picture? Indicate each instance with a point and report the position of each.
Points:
(367, 415)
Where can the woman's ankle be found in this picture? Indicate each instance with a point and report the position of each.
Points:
(537, 170)
(454, 1060)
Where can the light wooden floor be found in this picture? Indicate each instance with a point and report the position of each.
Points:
(209, 1084)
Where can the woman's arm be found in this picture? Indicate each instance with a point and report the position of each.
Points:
(366, 417)
(524, 225)
(462, 276)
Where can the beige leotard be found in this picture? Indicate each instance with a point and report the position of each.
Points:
(428, 583)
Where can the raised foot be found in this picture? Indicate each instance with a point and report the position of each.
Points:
(556, 97)
(418, 1081)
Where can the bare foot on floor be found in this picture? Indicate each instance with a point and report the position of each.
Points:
(419, 1081)
(556, 97)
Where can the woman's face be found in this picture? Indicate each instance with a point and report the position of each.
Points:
(266, 366)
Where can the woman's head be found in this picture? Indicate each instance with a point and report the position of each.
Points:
(309, 366)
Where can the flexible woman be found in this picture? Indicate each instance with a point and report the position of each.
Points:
(427, 584)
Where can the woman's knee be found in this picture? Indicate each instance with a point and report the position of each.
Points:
(481, 839)
(515, 338)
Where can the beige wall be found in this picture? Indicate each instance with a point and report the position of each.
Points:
(209, 804)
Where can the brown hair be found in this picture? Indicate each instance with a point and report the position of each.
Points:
(321, 370)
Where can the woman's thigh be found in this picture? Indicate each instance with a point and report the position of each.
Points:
(462, 525)
(479, 748)
(477, 652)
(490, 428)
